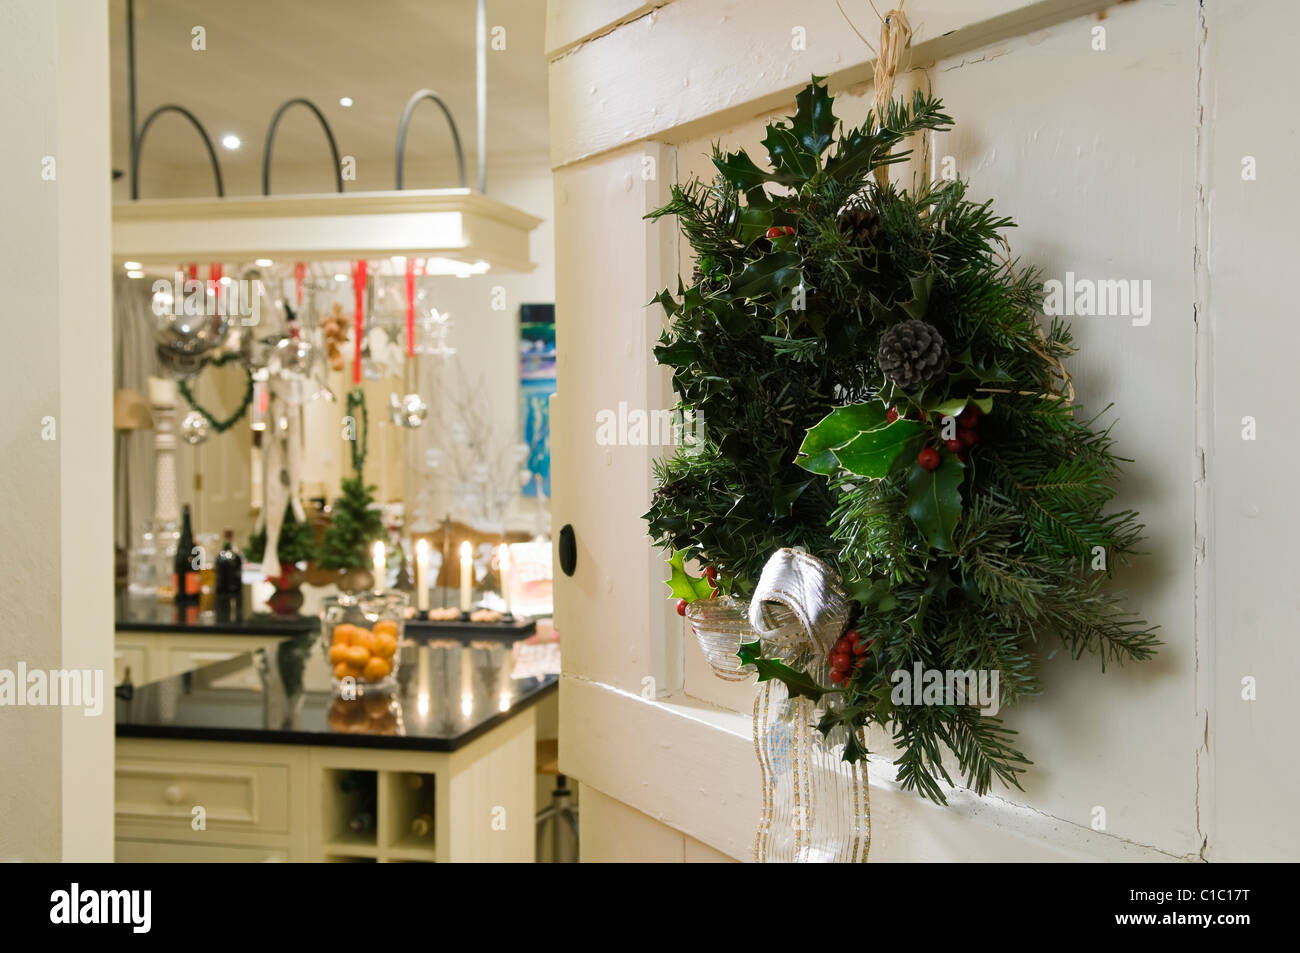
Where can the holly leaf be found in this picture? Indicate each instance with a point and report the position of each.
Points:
(954, 406)
(799, 684)
(794, 165)
(871, 592)
(769, 275)
(872, 452)
(978, 371)
(740, 171)
(920, 296)
(753, 223)
(835, 430)
(813, 122)
(934, 500)
(682, 584)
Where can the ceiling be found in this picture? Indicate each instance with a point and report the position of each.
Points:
(263, 52)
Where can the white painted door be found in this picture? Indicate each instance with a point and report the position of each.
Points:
(1109, 157)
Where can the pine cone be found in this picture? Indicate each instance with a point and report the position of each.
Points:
(860, 223)
(912, 354)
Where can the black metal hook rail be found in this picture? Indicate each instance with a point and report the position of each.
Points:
(270, 140)
(402, 127)
(137, 144)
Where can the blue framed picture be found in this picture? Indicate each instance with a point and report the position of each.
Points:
(536, 385)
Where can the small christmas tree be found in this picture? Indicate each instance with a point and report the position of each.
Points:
(353, 528)
(295, 545)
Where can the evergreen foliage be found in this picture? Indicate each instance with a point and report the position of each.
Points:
(974, 563)
(296, 543)
(353, 528)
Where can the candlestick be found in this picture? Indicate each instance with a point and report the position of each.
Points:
(381, 565)
(466, 575)
(422, 575)
(504, 567)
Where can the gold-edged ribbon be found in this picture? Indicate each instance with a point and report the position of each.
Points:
(816, 807)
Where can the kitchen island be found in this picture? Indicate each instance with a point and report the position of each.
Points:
(257, 757)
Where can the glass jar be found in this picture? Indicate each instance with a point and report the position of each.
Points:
(360, 637)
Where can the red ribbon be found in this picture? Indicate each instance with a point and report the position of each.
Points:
(410, 307)
(214, 277)
(299, 273)
(359, 290)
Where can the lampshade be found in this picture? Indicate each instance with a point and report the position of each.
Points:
(131, 410)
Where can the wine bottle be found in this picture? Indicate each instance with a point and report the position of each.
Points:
(230, 567)
(422, 826)
(185, 578)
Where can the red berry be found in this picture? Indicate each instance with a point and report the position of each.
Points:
(891, 414)
(861, 649)
(788, 229)
(838, 677)
(966, 439)
(928, 458)
(953, 445)
(776, 231)
(923, 417)
(851, 637)
(969, 417)
(839, 660)
(681, 607)
(711, 574)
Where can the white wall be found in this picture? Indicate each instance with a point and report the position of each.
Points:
(56, 786)
(1113, 169)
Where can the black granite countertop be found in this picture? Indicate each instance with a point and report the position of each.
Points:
(447, 694)
(228, 617)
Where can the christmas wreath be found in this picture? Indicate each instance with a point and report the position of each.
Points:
(877, 390)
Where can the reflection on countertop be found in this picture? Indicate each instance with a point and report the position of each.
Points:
(246, 615)
(448, 693)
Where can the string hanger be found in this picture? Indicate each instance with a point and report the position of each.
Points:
(895, 37)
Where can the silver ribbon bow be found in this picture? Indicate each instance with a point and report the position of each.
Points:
(816, 807)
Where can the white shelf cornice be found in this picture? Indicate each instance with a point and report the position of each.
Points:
(451, 223)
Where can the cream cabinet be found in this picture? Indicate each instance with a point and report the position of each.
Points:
(180, 800)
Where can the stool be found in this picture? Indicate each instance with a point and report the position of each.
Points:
(561, 815)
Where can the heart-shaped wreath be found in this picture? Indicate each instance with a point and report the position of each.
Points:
(221, 426)
(877, 390)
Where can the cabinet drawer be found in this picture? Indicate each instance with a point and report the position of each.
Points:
(234, 797)
(150, 852)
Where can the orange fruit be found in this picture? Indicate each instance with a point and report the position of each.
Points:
(386, 626)
(358, 656)
(364, 638)
(339, 652)
(343, 670)
(343, 633)
(385, 644)
(376, 669)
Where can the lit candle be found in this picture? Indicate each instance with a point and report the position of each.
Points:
(422, 575)
(381, 565)
(503, 564)
(466, 575)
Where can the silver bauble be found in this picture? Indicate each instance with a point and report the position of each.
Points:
(292, 357)
(179, 367)
(408, 411)
(194, 326)
(195, 428)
